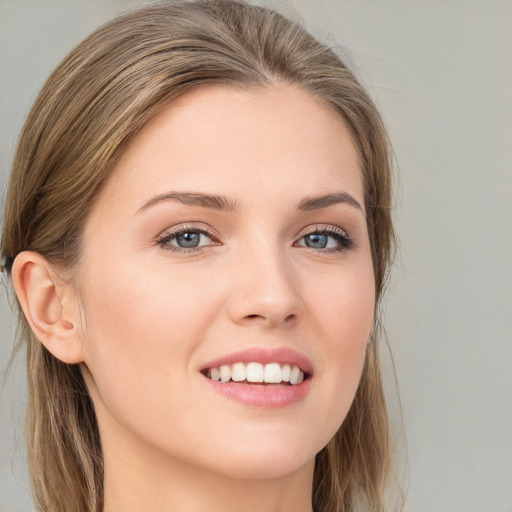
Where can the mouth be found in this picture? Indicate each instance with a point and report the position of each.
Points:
(271, 374)
(261, 376)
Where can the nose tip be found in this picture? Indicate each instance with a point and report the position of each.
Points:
(267, 296)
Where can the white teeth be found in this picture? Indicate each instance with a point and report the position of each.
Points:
(294, 375)
(286, 370)
(271, 373)
(225, 373)
(238, 372)
(254, 372)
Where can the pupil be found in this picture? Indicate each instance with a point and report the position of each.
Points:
(316, 241)
(188, 239)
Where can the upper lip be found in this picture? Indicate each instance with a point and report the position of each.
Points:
(283, 355)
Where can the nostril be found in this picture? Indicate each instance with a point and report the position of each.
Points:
(254, 317)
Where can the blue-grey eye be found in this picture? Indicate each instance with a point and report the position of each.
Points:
(316, 240)
(188, 239)
(326, 239)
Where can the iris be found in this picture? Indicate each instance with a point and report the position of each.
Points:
(316, 240)
(188, 239)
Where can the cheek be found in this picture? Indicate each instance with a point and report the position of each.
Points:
(140, 334)
(141, 309)
(344, 302)
(345, 313)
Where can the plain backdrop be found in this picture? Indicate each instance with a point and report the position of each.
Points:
(441, 73)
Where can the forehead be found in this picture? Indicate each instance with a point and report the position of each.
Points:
(220, 139)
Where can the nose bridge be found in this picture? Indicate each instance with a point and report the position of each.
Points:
(265, 287)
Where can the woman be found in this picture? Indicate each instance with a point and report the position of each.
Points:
(198, 232)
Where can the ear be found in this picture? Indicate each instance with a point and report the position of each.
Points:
(50, 306)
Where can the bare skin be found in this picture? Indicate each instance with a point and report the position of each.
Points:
(276, 257)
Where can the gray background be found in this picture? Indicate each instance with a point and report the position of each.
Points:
(441, 72)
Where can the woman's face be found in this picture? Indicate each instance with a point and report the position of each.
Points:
(232, 231)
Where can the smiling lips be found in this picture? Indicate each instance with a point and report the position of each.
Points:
(261, 377)
(253, 372)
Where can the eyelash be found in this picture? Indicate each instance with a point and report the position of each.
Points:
(164, 240)
(339, 235)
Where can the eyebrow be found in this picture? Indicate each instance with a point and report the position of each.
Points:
(319, 202)
(211, 201)
(222, 203)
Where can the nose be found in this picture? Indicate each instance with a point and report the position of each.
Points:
(265, 291)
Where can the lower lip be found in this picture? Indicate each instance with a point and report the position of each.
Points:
(260, 395)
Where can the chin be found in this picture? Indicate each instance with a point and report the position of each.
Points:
(266, 457)
(262, 467)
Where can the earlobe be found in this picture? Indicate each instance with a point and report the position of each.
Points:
(46, 303)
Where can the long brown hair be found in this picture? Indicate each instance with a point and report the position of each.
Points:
(90, 108)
